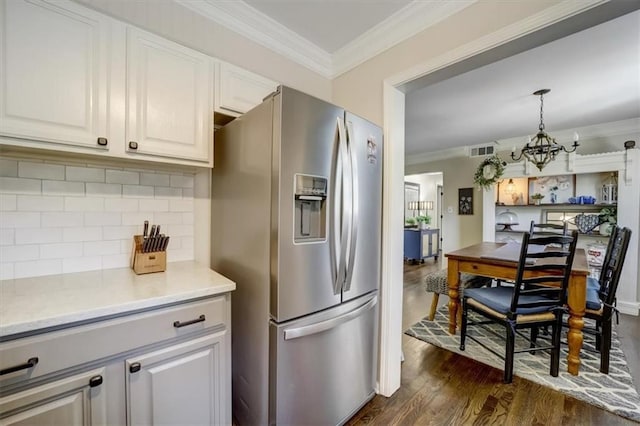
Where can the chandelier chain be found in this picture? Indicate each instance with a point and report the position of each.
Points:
(541, 126)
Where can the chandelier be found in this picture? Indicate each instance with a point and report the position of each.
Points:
(542, 148)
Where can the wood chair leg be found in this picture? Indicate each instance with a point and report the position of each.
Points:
(434, 306)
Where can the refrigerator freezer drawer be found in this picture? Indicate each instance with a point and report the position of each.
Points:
(323, 365)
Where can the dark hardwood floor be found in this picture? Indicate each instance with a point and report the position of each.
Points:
(439, 387)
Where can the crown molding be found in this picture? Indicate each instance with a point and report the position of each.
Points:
(405, 23)
(596, 131)
(260, 28)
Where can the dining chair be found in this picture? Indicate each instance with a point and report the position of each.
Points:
(601, 294)
(537, 299)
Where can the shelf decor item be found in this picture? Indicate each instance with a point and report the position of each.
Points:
(554, 189)
(507, 219)
(537, 198)
(608, 218)
(489, 172)
(587, 222)
(542, 148)
(610, 189)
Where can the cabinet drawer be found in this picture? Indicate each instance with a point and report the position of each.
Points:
(77, 345)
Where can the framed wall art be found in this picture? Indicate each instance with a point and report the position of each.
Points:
(552, 189)
(465, 201)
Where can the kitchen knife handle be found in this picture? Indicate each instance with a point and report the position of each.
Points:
(165, 243)
(146, 229)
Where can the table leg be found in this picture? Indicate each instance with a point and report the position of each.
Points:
(453, 279)
(577, 302)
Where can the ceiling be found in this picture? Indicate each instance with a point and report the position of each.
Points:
(590, 62)
(594, 77)
(329, 24)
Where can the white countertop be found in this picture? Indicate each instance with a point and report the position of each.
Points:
(29, 304)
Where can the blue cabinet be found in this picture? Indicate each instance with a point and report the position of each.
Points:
(420, 244)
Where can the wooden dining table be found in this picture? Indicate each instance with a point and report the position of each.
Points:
(476, 259)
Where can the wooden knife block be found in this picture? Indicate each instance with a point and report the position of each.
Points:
(146, 263)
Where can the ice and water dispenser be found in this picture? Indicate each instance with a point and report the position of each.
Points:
(310, 208)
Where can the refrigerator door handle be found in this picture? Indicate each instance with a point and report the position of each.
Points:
(343, 209)
(335, 195)
(353, 234)
(307, 330)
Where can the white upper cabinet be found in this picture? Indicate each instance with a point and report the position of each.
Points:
(77, 81)
(169, 99)
(239, 90)
(54, 79)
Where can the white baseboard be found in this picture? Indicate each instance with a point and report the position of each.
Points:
(629, 308)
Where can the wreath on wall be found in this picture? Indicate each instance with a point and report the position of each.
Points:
(489, 172)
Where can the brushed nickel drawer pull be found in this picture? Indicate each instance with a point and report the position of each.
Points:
(178, 324)
(31, 362)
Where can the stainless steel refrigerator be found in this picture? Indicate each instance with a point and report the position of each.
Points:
(296, 223)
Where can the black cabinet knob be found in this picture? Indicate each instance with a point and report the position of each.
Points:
(95, 381)
(133, 145)
(135, 367)
(103, 141)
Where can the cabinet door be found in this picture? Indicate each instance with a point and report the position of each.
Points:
(238, 90)
(54, 73)
(181, 384)
(169, 99)
(75, 400)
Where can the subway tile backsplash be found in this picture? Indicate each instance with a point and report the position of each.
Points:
(58, 218)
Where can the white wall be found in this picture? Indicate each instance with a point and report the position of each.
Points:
(62, 216)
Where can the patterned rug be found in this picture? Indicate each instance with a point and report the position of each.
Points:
(614, 392)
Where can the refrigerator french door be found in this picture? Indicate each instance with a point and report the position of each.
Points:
(323, 365)
(316, 140)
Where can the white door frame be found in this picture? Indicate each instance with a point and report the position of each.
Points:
(393, 176)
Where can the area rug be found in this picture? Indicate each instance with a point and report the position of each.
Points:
(614, 392)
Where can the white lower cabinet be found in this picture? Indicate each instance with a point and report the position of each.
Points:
(169, 366)
(180, 384)
(76, 400)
